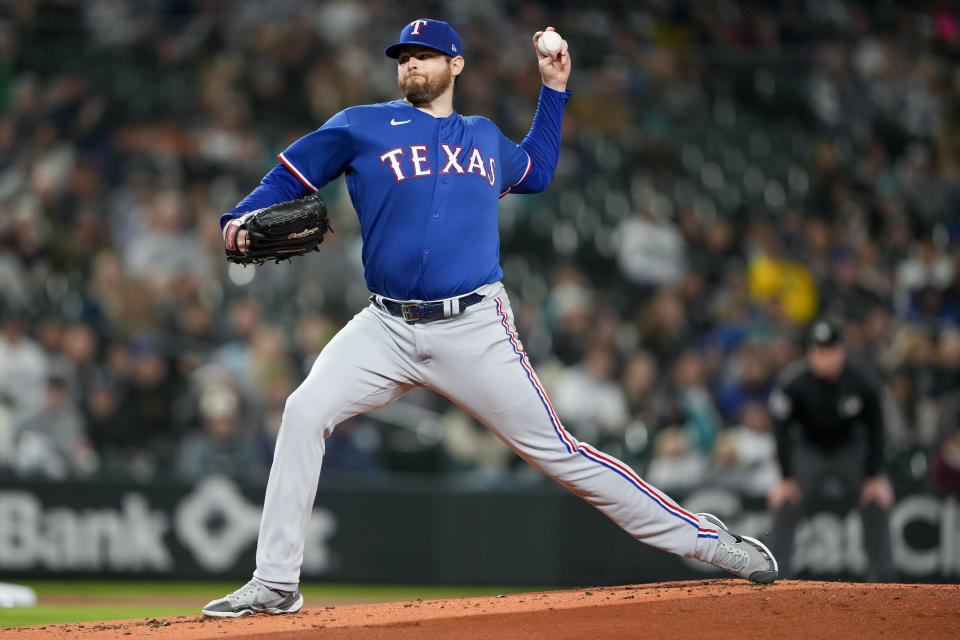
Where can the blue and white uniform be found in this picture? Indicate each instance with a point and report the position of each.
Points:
(426, 190)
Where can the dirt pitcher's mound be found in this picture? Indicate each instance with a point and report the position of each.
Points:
(714, 609)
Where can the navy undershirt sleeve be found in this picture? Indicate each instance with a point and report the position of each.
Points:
(543, 141)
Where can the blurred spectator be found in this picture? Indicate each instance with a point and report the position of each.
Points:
(784, 285)
(947, 368)
(701, 418)
(844, 295)
(588, 399)
(272, 371)
(148, 400)
(164, 251)
(928, 271)
(945, 468)
(313, 333)
(113, 431)
(946, 464)
(79, 353)
(7, 438)
(52, 443)
(662, 325)
(243, 317)
(651, 250)
(23, 366)
(747, 378)
(222, 446)
(474, 447)
(676, 465)
(570, 303)
(745, 456)
(644, 391)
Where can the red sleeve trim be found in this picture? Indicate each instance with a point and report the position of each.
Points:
(296, 172)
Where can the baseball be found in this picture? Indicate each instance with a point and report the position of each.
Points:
(549, 42)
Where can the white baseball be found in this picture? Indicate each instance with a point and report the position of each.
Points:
(549, 42)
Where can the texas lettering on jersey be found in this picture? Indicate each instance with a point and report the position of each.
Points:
(413, 160)
(420, 185)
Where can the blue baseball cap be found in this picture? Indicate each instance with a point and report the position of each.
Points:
(433, 34)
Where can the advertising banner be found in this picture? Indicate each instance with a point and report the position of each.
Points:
(417, 532)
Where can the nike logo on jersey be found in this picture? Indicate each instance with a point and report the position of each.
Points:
(395, 122)
(413, 161)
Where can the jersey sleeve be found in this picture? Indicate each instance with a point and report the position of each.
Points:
(320, 156)
(780, 405)
(516, 164)
(277, 186)
(541, 146)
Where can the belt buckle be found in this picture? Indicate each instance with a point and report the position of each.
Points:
(405, 309)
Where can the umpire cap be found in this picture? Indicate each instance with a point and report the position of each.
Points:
(824, 333)
(433, 34)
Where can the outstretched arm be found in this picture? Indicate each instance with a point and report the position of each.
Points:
(787, 490)
(306, 165)
(876, 487)
(542, 144)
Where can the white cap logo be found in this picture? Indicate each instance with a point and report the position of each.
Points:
(822, 332)
(416, 26)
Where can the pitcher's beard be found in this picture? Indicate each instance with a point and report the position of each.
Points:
(425, 90)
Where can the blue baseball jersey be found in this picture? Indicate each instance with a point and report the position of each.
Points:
(425, 189)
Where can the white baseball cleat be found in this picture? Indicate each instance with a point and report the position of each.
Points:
(254, 597)
(741, 555)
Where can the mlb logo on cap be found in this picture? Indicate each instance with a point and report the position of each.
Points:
(433, 34)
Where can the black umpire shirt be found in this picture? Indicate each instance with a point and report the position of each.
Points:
(828, 413)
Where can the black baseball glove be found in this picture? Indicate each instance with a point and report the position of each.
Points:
(281, 231)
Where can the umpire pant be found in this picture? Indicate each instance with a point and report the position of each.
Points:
(818, 471)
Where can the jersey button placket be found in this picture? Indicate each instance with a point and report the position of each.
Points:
(440, 190)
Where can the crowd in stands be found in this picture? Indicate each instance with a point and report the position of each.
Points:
(730, 171)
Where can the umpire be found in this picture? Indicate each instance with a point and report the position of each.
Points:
(829, 426)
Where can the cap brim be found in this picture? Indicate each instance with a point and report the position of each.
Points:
(827, 345)
(393, 51)
(833, 341)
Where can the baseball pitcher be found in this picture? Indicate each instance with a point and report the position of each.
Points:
(425, 182)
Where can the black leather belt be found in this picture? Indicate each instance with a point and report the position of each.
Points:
(423, 311)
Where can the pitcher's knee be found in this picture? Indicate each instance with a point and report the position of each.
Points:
(302, 415)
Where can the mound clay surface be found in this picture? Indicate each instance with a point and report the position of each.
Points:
(714, 609)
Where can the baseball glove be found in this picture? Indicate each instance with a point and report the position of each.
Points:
(281, 231)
